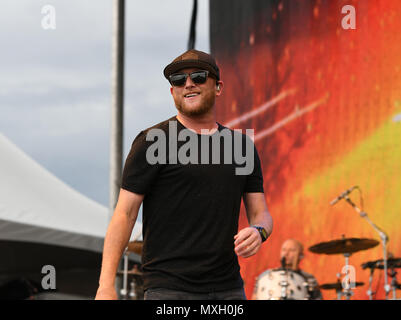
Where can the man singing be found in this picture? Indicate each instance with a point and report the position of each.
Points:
(190, 175)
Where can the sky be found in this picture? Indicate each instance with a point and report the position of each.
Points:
(55, 84)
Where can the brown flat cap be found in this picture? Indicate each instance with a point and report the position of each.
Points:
(193, 59)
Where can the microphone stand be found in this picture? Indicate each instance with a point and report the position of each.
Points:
(384, 238)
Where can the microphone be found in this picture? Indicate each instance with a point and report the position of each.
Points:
(283, 262)
(342, 195)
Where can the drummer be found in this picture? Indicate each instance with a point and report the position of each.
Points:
(290, 256)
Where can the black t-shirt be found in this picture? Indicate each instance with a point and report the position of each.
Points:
(191, 205)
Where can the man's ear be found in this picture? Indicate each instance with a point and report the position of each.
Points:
(219, 86)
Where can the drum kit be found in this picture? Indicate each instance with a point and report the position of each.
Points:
(135, 274)
(392, 264)
(346, 247)
(287, 284)
(283, 284)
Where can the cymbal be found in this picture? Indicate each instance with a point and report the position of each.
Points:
(337, 285)
(135, 247)
(346, 245)
(379, 264)
(132, 272)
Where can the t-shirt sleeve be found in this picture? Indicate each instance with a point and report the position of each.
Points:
(138, 174)
(254, 181)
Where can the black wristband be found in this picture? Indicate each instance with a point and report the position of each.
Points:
(262, 231)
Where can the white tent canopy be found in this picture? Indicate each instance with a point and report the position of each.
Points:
(36, 206)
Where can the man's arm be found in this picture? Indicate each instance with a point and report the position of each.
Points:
(116, 240)
(248, 240)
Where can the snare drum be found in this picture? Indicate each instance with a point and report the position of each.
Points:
(278, 284)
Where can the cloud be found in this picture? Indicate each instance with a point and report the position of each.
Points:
(55, 88)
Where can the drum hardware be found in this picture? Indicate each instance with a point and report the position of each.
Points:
(280, 284)
(130, 272)
(370, 293)
(284, 283)
(394, 283)
(124, 291)
(347, 293)
(383, 236)
(338, 287)
(133, 247)
(136, 291)
(132, 293)
(392, 263)
(310, 285)
(344, 246)
(379, 264)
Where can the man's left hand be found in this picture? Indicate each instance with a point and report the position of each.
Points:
(247, 242)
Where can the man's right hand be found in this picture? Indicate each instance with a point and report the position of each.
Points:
(108, 293)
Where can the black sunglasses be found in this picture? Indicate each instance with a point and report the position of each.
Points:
(198, 77)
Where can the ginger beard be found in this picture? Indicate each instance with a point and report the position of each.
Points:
(201, 103)
(195, 106)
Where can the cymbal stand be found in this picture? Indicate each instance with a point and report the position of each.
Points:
(384, 238)
(132, 293)
(338, 291)
(370, 292)
(347, 293)
(339, 294)
(124, 291)
(393, 274)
